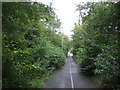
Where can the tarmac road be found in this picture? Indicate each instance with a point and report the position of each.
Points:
(69, 76)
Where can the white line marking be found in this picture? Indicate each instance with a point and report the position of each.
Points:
(71, 78)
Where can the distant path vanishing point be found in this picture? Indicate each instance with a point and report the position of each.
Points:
(69, 76)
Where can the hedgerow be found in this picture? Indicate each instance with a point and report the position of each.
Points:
(29, 54)
(96, 42)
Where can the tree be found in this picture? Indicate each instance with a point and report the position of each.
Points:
(28, 50)
(95, 42)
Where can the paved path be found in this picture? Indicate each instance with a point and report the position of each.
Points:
(69, 77)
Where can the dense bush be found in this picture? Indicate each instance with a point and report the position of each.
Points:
(28, 52)
(55, 58)
(95, 42)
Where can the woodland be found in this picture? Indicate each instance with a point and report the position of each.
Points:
(33, 45)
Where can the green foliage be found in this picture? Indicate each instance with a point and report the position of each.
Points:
(95, 42)
(29, 54)
(55, 58)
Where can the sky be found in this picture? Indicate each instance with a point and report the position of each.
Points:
(66, 12)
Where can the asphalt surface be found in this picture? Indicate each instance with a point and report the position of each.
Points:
(69, 76)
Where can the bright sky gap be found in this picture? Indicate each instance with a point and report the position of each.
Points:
(66, 12)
